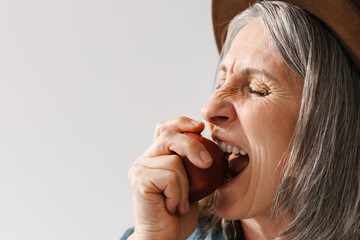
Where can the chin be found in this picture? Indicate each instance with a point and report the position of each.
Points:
(227, 215)
(224, 208)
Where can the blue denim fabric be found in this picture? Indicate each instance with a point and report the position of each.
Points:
(194, 236)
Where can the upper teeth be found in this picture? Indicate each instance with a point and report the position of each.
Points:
(230, 149)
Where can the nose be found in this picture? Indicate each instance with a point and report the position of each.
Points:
(218, 110)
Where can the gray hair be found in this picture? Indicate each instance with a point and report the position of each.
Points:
(321, 183)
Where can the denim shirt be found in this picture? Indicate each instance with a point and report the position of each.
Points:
(194, 236)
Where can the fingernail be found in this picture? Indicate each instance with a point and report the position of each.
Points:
(205, 156)
(172, 211)
(187, 206)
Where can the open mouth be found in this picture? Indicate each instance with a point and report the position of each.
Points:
(238, 160)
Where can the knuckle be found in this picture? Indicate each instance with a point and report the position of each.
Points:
(132, 176)
(182, 119)
(164, 135)
(175, 160)
(134, 173)
(139, 185)
(173, 178)
(160, 125)
(134, 183)
(191, 142)
(159, 128)
(162, 131)
(142, 190)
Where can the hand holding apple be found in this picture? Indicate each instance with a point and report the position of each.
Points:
(203, 182)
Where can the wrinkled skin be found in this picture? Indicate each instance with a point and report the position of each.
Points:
(159, 182)
(255, 107)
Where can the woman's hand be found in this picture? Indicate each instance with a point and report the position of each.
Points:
(159, 182)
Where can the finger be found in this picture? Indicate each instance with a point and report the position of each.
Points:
(145, 175)
(170, 142)
(172, 163)
(166, 182)
(152, 185)
(179, 124)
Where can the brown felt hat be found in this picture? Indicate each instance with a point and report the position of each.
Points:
(342, 17)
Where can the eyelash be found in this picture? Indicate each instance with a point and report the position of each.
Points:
(261, 93)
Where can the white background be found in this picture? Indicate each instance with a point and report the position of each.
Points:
(82, 85)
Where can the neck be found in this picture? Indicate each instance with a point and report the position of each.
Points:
(264, 227)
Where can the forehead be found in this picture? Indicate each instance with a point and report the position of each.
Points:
(251, 48)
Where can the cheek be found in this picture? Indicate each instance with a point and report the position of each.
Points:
(269, 131)
(269, 127)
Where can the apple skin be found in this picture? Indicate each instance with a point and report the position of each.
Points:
(203, 182)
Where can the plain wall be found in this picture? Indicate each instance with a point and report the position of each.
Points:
(82, 85)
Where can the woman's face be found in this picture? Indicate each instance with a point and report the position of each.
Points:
(254, 109)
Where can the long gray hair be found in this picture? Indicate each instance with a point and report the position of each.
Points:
(321, 183)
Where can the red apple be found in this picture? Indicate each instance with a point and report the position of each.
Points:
(203, 182)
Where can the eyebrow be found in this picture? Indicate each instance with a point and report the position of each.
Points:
(253, 71)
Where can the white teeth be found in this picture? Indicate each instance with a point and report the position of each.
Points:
(223, 147)
(236, 150)
(230, 149)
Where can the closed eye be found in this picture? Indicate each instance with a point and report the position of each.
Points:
(261, 93)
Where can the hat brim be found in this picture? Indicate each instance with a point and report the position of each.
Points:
(342, 17)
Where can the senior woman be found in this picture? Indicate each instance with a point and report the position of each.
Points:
(288, 95)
